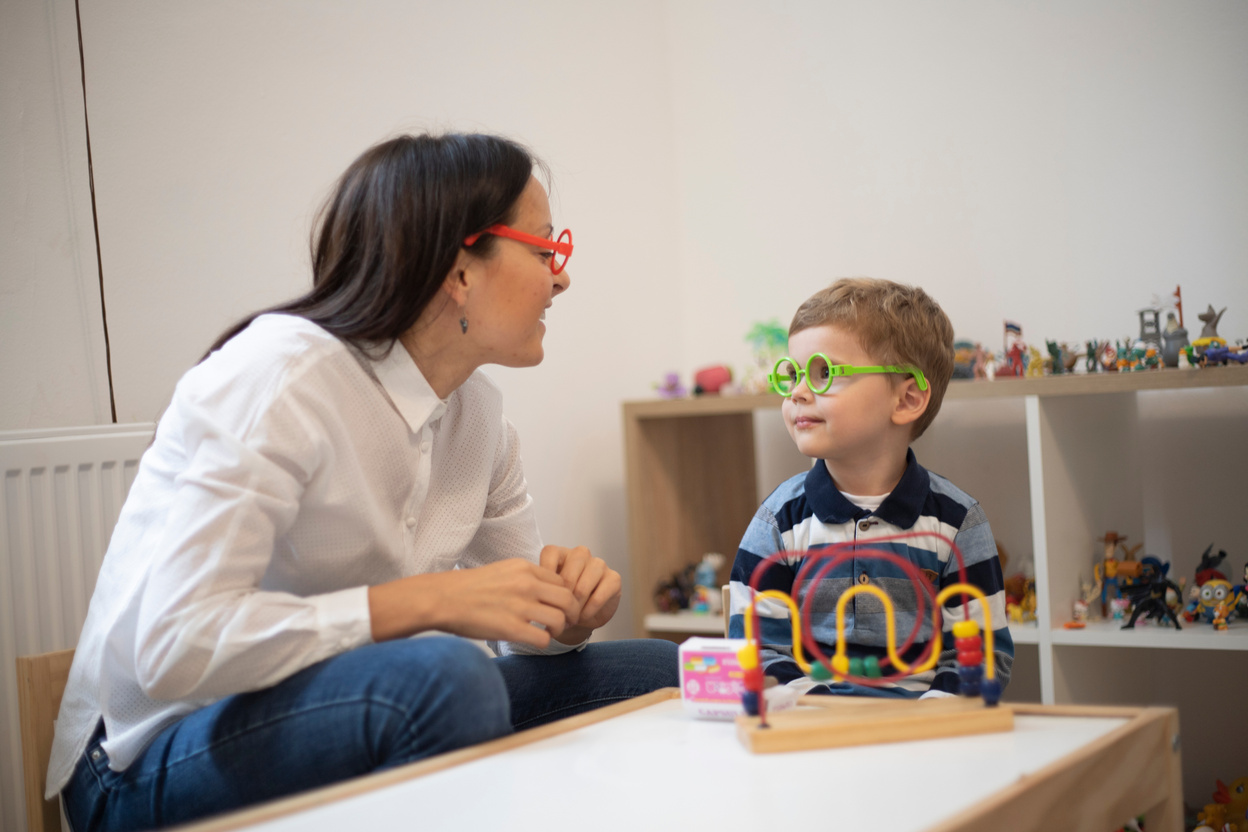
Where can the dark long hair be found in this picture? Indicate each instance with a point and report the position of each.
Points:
(389, 234)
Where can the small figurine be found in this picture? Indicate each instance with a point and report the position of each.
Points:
(1108, 357)
(707, 596)
(1150, 329)
(963, 358)
(1079, 614)
(1210, 319)
(1149, 594)
(768, 342)
(1091, 357)
(1208, 566)
(1229, 808)
(1214, 594)
(1017, 366)
(1174, 339)
(1105, 573)
(1220, 355)
(983, 367)
(711, 380)
(1020, 598)
(1057, 360)
(1036, 363)
(670, 387)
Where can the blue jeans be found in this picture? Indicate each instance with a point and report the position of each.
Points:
(372, 708)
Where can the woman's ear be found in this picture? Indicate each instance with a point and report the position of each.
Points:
(459, 280)
(911, 402)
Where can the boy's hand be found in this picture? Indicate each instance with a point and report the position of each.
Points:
(594, 585)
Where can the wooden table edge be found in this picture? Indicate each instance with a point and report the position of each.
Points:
(1024, 800)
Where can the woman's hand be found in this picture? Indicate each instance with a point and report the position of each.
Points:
(497, 601)
(595, 586)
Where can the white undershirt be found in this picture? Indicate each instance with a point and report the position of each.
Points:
(869, 503)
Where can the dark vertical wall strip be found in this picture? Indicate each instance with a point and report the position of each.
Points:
(95, 218)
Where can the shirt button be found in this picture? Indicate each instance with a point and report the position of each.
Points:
(424, 447)
(864, 525)
(411, 522)
(95, 755)
(863, 579)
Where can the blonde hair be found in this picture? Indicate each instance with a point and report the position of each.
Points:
(894, 323)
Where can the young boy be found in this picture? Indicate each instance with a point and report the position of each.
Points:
(857, 422)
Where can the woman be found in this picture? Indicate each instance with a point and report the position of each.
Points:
(334, 477)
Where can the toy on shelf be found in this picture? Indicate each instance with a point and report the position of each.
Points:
(1150, 326)
(1013, 350)
(1215, 600)
(1219, 356)
(769, 341)
(1174, 335)
(976, 664)
(1148, 594)
(712, 380)
(964, 359)
(1036, 363)
(1078, 615)
(1215, 604)
(1229, 810)
(1108, 357)
(1020, 598)
(1209, 332)
(1112, 571)
(676, 592)
(670, 387)
(707, 597)
(1209, 563)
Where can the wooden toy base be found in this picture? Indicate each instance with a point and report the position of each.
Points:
(837, 721)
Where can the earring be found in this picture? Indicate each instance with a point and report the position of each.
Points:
(463, 325)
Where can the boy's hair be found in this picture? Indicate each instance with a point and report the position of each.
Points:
(894, 323)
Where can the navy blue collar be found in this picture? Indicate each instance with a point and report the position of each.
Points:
(901, 508)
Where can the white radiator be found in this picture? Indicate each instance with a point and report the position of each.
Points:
(61, 492)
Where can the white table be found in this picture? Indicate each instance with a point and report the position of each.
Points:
(646, 764)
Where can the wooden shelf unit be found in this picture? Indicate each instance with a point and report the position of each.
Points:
(1056, 462)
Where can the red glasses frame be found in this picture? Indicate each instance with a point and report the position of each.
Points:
(559, 246)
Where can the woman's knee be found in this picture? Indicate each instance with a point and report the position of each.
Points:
(452, 694)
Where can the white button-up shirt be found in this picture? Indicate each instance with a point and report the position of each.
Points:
(288, 475)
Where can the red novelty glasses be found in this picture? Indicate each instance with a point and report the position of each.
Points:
(560, 249)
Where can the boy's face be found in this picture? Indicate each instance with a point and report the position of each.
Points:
(853, 418)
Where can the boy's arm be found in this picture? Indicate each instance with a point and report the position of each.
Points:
(762, 538)
(983, 569)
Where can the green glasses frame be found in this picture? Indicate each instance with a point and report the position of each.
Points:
(784, 384)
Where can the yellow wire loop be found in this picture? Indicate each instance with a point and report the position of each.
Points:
(794, 616)
(990, 665)
(891, 642)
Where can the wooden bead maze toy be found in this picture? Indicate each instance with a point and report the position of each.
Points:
(836, 721)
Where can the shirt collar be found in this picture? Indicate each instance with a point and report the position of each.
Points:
(900, 508)
(407, 388)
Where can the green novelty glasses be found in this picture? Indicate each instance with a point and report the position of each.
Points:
(820, 373)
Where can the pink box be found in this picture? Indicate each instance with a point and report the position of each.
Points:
(711, 680)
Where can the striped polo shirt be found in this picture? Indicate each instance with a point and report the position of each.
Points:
(808, 513)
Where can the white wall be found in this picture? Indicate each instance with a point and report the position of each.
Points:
(52, 366)
(1056, 164)
(218, 128)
